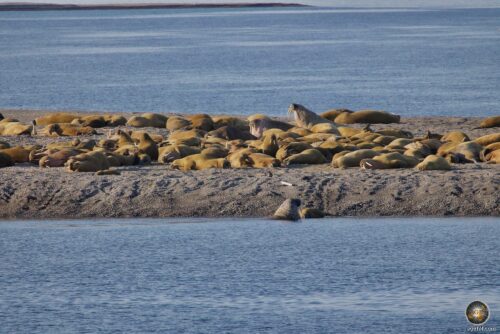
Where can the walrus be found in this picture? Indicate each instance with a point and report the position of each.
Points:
(470, 150)
(169, 153)
(288, 210)
(67, 129)
(488, 149)
(220, 121)
(189, 137)
(310, 157)
(290, 149)
(230, 133)
(389, 161)
(333, 113)
(488, 139)
(311, 213)
(384, 140)
(199, 162)
(490, 122)
(18, 154)
(492, 157)
(434, 162)
(87, 162)
(15, 129)
(177, 123)
(201, 121)
(241, 158)
(261, 160)
(148, 146)
(214, 152)
(306, 118)
(148, 120)
(5, 160)
(399, 143)
(269, 145)
(455, 137)
(348, 132)
(395, 133)
(367, 117)
(259, 123)
(58, 117)
(352, 159)
(56, 158)
(114, 120)
(301, 132)
(94, 121)
(1, 116)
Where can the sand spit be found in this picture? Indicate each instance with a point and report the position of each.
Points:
(30, 192)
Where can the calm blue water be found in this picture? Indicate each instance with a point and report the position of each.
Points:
(250, 276)
(243, 61)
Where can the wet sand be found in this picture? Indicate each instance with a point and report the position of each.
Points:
(30, 192)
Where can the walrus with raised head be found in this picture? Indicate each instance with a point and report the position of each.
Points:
(259, 123)
(306, 118)
(288, 210)
(148, 146)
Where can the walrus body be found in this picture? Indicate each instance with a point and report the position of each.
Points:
(199, 162)
(488, 139)
(490, 122)
(5, 160)
(230, 133)
(177, 123)
(353, 159)
(148, 120)
(310, 213)
(201, 121)
(333, 113)
(15, 129)
(434, 162)
(367, 117)
(18, 154)
(389, 161)
(57, 158)
(52, 118)
(87, 162)
(288, 210)
(455, 137)
(309, 157)
(67, 129)
(167, 154)
(148, 146)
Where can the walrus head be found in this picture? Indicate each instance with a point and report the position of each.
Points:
(303, 117)
(258, 124)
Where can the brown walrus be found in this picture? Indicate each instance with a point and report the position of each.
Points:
(5, 160)
(87, 162)
(490, 122)
(434, 162)
(58, 117)
(367, 117)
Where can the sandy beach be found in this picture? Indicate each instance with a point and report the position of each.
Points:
(30, 192)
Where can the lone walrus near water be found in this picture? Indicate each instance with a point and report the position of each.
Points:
(288, 210)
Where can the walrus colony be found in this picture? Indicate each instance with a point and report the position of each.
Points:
(200, 141)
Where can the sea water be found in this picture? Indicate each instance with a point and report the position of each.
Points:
(412, 62)
(384, 275)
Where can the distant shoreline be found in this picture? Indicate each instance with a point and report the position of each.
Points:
(49, 6)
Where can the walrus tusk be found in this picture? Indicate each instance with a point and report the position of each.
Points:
(286, 183)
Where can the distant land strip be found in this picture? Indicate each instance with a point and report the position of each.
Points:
(25, 6)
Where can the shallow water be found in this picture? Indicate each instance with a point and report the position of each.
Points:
(243, 61)
(399, 275)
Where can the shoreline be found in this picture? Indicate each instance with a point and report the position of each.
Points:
(158, 191)
(50, 6)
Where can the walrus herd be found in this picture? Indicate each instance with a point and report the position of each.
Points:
(201, 141)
